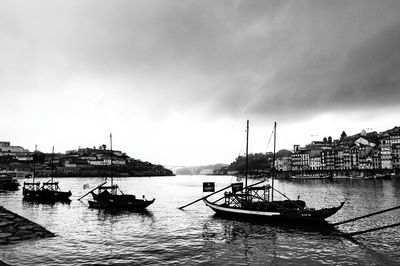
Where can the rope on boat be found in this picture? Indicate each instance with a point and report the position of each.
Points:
(204, 197)
(370, 230)
(242, 189)
(92, 191)
(300, 207)
(216, 193)
(365, 216)
(270, 137)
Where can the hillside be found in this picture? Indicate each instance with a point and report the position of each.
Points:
(88, 162)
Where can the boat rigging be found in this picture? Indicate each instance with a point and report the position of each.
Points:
(49, 192)
(257, 202)
(107, 197)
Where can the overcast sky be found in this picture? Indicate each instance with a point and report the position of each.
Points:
(175, 81)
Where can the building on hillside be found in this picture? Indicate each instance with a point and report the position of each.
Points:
(68, 164)
(7, 149)
(339, 159)
(354, 157)
(98, 162)
(347, 141)
(396, 155)
(106, 161)
(301, 160)
(365, 160)
(364, 142)
(322, 145)
(206, 172)
(328, 159)
(315, 162)
(386, 152)
(350, 140)
(346, 158)
(376, 159)
(89, 157)
(284, 163)
(24, 157)
(315, 157)
(394, 135)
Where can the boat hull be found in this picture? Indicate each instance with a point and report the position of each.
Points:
(46, 196)
(310, 177)
(285, 216)
(10, 186)
(123, 202)
(8, 183)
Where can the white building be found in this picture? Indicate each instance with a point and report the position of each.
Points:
(315, 163)
(7, 149)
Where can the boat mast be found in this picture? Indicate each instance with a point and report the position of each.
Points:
(273, 165)
(111, 154)
(247, 158)
(52, 164)
(34, 165)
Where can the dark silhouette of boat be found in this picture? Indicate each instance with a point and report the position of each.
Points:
(49, 192)
(310, 177)
(257, 202)
(7, 182)
(107, 197)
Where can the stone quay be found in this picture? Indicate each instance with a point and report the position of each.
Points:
(14, 228)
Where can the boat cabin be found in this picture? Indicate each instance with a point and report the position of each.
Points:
(254, 194)
(31, 186)
(113, 189)
(53, 186)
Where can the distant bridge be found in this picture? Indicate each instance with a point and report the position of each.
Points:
(175, 168)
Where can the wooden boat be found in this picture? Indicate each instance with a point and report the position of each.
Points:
(107, 197)
(257, 202)
(31, 190)
(7, 182)
(274, 212)
(309, 177)
(52, 187)
(49, 192)
(53, 190)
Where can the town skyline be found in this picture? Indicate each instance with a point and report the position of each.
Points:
(176, 81)
(328, 139)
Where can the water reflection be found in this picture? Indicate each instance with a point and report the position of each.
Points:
(323, 228)
(117, 215)
(245, 243)
(166, 235)
(27, 203)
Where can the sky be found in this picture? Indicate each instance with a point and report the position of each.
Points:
(175, 81)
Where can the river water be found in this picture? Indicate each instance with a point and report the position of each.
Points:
(166, 235)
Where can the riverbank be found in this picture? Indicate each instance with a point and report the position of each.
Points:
(14, 228)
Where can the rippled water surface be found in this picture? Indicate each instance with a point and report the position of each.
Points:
(169, 236)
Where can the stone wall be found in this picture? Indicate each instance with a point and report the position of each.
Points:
(16, 228)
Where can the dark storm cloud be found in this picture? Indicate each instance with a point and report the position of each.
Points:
(224, 57)
(366, 76)
(347, 62)
(372, 73)
(207, 36)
